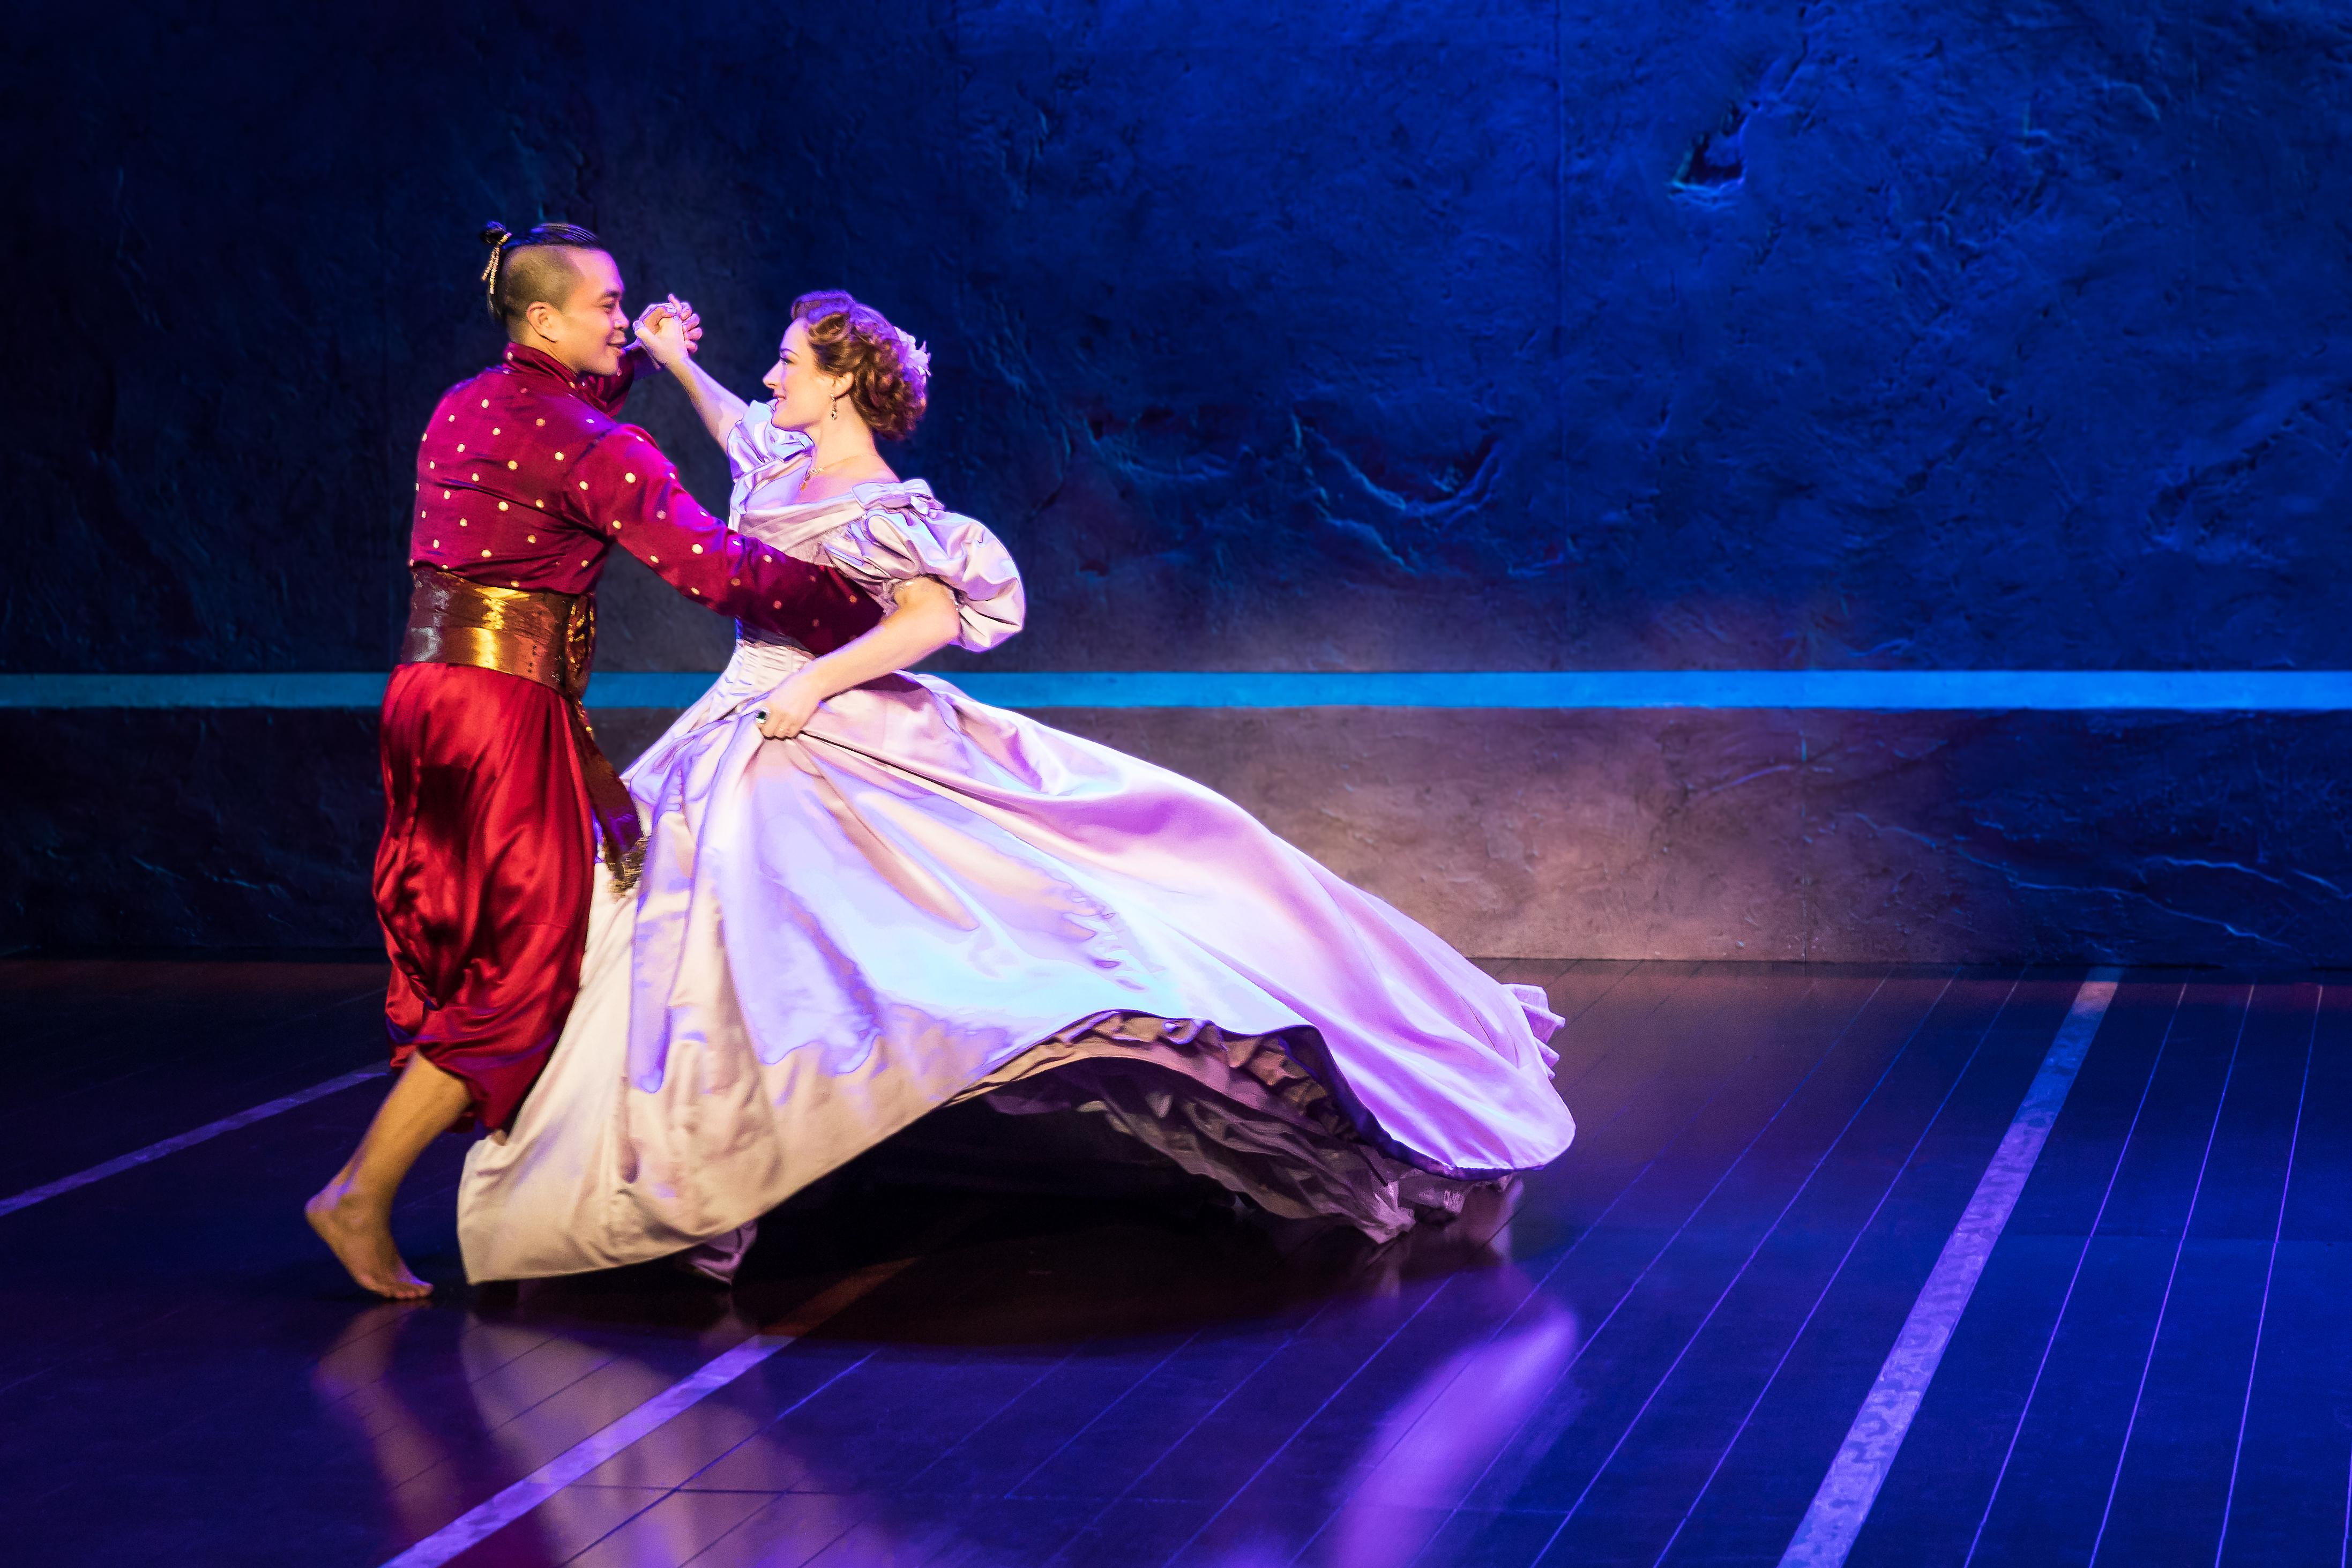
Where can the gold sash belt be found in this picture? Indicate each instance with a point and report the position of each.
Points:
(546, 637)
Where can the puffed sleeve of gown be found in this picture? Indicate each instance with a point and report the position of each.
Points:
(904, 533)
(759, 458)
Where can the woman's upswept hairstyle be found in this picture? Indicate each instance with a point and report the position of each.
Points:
(535, 269)
(889, 377)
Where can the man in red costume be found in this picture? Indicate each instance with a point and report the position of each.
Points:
(494, 789)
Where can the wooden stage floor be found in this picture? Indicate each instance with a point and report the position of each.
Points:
(1653, 1357)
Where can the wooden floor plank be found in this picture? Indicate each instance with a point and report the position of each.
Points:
(1581, 985)
(1628, 1473)
(2172, 1488)
(2292, 1474)
(1959, 1450)
(1915, 1181)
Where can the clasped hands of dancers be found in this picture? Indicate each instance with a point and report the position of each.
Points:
(834, 896)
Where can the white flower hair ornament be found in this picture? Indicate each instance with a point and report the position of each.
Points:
(915, 356)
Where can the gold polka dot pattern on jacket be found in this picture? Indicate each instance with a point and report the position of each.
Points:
(593, 482)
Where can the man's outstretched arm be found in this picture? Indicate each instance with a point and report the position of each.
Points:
(626, 488)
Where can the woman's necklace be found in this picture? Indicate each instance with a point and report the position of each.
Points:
(816, 468)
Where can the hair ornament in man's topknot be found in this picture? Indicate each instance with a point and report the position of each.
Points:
(497, 236)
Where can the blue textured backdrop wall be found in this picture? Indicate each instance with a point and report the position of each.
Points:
(1396, 336)
(1404, 336)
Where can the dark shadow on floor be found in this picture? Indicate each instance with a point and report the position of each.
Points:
(1034, 1229)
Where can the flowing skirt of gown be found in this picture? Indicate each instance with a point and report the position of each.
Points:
(923, 899)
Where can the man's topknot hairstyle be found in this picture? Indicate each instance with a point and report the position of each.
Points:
(534, 269)
(889, 381)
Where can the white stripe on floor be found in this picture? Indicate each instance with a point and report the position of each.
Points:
(479, 1523)
(483, 1521)
(1847, 1492)
(185, 1139)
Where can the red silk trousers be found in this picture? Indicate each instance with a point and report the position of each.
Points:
(483, 876)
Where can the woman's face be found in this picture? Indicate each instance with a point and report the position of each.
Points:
(803, 394)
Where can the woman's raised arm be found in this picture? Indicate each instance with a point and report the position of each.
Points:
(662, 336)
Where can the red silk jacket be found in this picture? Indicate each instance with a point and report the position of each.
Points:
(524, 480)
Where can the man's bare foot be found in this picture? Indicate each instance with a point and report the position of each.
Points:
(362, 1243)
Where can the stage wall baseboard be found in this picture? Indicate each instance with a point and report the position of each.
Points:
(2140, 836)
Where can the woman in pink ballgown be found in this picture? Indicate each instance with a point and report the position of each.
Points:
(866, 896)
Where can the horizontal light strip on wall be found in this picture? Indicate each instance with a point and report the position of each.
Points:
(2202, 690)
